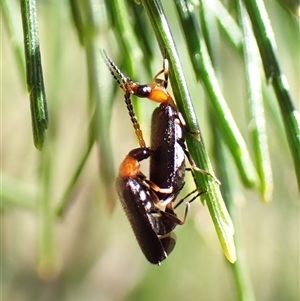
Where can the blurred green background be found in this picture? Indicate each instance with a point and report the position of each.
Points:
(90, 252)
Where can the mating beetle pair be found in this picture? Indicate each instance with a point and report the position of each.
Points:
(149, 203)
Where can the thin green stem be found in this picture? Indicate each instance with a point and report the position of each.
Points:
(34, 72)
(205, 72)
(266, 42)
(16, 193)
(124, 33)
(228, 25)
(240, 270)
(47, 264)
(10, 13)
(76, 13)
(256, 107)
(102, 110)
(64, 203)
(213, 198)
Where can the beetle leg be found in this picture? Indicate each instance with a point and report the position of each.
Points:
(165, 71)
(194, 166)
(187, 207)
(156, 188)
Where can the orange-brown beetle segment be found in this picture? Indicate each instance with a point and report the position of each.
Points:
(130, 167)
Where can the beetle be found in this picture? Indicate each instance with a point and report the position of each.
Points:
(151, 223)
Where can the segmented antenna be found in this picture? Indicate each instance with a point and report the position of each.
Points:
(134, 120)
(115, 72)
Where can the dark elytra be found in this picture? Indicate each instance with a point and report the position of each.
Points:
(167, 163)
(152, 228)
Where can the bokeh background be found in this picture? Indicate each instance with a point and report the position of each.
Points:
(90, 252)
